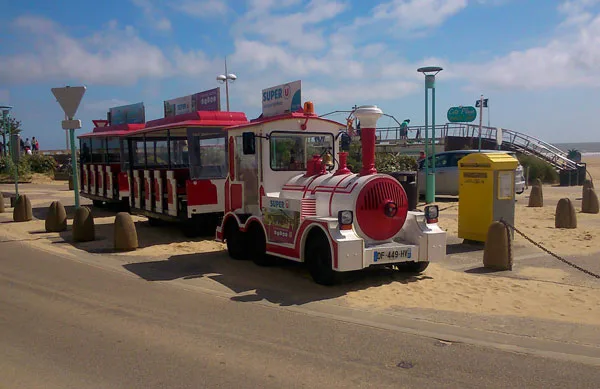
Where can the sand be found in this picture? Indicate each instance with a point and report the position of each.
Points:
(544, 294)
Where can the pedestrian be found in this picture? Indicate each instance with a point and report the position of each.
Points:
(404, 129)
(35, 145)
(27, 144)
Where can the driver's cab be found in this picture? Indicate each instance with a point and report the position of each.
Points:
(269, 152)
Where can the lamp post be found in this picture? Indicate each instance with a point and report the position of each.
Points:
(430, 73)
(5, 124)
(226, 79)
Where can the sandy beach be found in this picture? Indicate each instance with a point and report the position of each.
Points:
(540, 292)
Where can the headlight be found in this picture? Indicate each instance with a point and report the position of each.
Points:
(345, 219)
(431, 213)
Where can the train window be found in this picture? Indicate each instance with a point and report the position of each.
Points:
(179, 152)
(139, 160)
(113, 149)
(98, 150)
(208, 157)
(290, 151)
(86, 153)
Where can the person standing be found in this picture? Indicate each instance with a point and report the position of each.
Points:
(34, 145)
(404, 129)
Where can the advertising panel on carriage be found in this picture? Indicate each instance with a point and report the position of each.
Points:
(281, 218)
(209, 100)
(282, 99)
(127, 114)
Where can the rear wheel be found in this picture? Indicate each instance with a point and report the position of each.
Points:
(318, 260)
(234, 239)
(412, 267)
(257, 246)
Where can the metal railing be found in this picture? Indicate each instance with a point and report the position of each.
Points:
(511, 140)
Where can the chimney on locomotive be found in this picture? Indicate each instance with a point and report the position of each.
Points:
(368, 116)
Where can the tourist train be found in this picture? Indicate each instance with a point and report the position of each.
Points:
(275, 186)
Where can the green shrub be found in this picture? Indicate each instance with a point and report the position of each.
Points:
(538, 169)
(41, 163)
(8, 167)
(384, 162)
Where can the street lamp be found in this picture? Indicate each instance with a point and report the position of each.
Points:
(430, 73)
(226, 79)
(5, 124)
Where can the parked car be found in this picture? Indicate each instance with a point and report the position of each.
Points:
(446, 172)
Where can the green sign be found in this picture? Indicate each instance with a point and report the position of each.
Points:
(461, 114)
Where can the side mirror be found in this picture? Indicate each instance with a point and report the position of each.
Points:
(345, 142)
(248, 143)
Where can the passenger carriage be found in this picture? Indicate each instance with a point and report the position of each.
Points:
(177, 167)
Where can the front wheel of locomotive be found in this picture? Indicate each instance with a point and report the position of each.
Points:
(412, 267)
(318, 260)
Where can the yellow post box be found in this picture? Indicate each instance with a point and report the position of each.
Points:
(486, 193)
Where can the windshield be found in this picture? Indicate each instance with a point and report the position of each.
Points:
(290, 151)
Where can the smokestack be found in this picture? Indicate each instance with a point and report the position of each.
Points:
(368, 116)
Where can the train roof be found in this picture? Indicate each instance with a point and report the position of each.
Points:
(116, 130)
(299, 114)
(194, 119)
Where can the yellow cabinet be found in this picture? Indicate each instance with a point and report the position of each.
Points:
(486, 193)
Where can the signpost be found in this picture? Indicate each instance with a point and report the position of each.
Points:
(69, 98)
(461, 114)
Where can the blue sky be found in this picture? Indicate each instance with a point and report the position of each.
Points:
(537, 61)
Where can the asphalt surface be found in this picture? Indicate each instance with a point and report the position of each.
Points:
(67, 324)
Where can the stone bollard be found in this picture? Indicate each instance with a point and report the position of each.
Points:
(536, 197)
(125, 234)
(2, 210)
(71, 186)
(589, 204)
(565, 216)
(56, 219)
(22, 211)
(537, 182)
(588, 184)
(83, 225)
(497, 252)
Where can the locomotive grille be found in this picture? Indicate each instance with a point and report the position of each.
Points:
(371, 208)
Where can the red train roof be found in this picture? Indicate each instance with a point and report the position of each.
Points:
(299, 114)
(196, 119)
(116, 130)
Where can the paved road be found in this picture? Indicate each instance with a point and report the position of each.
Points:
(66, 324)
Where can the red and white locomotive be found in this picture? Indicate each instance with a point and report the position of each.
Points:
(285, 198)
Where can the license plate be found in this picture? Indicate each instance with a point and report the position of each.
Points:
(391, 255)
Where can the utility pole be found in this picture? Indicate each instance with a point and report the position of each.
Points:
(480, 119)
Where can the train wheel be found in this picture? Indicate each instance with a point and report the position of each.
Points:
(257, 247)
(234, 239)
(412, 267)
(98, 203)
(154, 222)
(318, 260)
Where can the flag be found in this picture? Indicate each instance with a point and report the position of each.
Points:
(478, 103)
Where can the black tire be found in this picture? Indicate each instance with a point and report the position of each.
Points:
(234, 238)
(318, 260)
(257, 247)
(412, 267)
(98, 203)
(154, 222)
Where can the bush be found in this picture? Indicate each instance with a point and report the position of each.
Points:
(41, 163)
(8, 167)
(538, 169)
(384, 162)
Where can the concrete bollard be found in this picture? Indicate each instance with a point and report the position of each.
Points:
(588, 184)
(83, 225)
(71, 186)
(56, 219)
(590, 201)
(2, 210)
(537, 182)
(565, 216)
(22, 211)
(536, 197)
(125, 234)
(497, 252)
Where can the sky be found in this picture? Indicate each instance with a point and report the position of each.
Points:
(537, 61)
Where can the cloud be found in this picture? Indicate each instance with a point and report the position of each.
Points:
(569, 59)
(203, 9)
(113, 56)
(153, 16)
(4, 96)
(300, 30)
